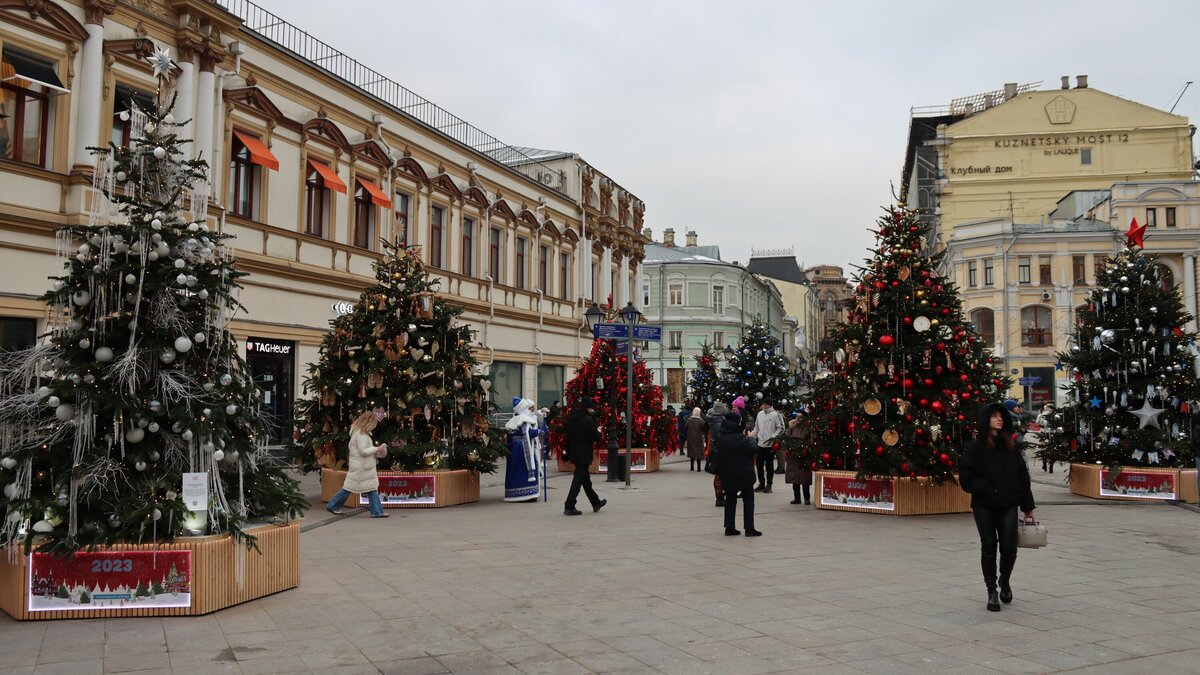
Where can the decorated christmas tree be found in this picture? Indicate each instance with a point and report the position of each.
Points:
(705, 384)
(1132, 370)
(401, 349)
(757, 370)
(907, 371)
(138, 379)
(605, 369)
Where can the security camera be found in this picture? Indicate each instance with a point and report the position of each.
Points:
(1045, 295)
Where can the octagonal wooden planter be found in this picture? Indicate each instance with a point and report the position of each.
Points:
(1135, 484)
(191, 576)
(844, 491)
(417, 490)
(645, 461)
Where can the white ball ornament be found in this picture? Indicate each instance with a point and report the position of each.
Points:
(153, 428)
(89, 378)
(233, 456)
(168, 119)
(64, 412)
(202, 294)
(208, 446)
(57, 285)
(84, 249)
(180, 263)
(231, 409)
(42, 526)
(218, 455)
(183, 344)
(81, 298)
(120, 247)
(226, 380)
(157, 515)
(85, 343)
(139, 465)
(198, 338)
(167, 356)
(43, 392)
(191, 281)
(207, 412)
(121, 175)
(160, 152)
(8, 462)
(130, 279)
(135, 435)
(163, 250)
(171, 495)
(154, 456)
(193, 227)
(186, 435)
(207, 386)
(156, 237)
(152, 255)
(53, 402)
(10, 490)
(124, 115)
(181, 279)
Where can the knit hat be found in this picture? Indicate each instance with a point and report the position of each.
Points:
(739, 403)
(1011, 404)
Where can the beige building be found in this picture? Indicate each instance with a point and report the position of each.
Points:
(315, 158)
(833, 295)
(1029, 189)
(800, 303)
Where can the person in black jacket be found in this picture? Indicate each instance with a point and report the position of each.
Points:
(735, 464)
(994, 472)
(580, 434)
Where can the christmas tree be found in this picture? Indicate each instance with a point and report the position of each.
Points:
(401, 349)
(907, 370)
(706, 381)
(1132, 370)
(595, 379)
(757, 370)
(138, 379)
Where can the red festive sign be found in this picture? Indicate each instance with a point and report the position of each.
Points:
(859, 493)
(639, 461)
(1138, 485)
(110, 580)
(398, 490)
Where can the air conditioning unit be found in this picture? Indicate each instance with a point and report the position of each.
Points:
(1045, 295)
(548, 178)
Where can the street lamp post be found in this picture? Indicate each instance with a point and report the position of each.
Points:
(595, 315)
(631, 315)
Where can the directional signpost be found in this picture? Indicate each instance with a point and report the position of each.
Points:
(1028, 382)
(619, 332)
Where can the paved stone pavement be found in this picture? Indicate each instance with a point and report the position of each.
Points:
(650, 584)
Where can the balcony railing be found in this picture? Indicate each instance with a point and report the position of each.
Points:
(292, 39)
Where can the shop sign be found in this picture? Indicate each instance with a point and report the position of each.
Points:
(343, 307)
(1133, 484)
(639, 461)
(403, 490)
(257, 345)
(110, 580)
(868, 494)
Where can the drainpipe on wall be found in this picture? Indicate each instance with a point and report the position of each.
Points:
(485, 228)
(1004, 258)
(377, 118)
(537, 335)
(218, 127)
(579, 259)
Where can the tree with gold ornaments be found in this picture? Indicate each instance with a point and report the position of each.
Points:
(1133, 370)
(907, 371)
(401, 349)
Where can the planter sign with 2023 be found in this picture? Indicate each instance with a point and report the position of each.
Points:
(868, 494)
(108, 580)
(639, 461)
(1134, 484)
(397, 490)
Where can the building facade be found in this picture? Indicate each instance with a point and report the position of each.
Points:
(699, 299)
(801, 305)
(1029, 190)
(833, 297)
(313, 161)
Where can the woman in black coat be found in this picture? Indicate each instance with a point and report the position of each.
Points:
(735, 465)
(994, 472)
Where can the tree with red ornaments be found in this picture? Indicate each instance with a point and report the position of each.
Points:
(908, 371)
(705, 384)
(605, 369)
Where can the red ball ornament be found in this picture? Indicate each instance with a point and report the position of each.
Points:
(886, 340)
(908, 418)
(966, 396)
(940, 346)
(775, 446)
(924, 403)
(945, 458)
(964, 377)
(879, 285)
(937, 407)
(937, 370)
(908, 383)
(825, 457)
(945, 311)
(895, 283)
(904, 468)
(928, 382)
(908, 321)
(879, 450)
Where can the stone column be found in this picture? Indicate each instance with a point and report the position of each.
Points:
(205, 108)
(639, 283)
(1189, 288)
(89, 82)
(605, 276)
(185, 110)
(624, 286)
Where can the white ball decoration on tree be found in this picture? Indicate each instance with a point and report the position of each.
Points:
(130, 279)
(135, 435)
(183, 344)
(226, 379)
(198, 338)
(160, 152)
(139, 465)
(64, 412)
(53, 402)
(81, 298)
(180, 263)
(167, 356)
(218, 455)
(231, 409)
(85, 343)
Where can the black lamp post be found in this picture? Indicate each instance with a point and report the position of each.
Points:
(630, 314)
(595, 315)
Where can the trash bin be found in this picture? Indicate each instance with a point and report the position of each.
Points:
(618, 464)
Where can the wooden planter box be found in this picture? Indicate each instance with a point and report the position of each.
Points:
(844, 491)
(1135, 484)
(207, 576)
(419, 490)
(650, 465)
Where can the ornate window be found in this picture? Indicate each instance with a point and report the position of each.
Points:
(468, 247)
(521, 255)
(402, 203)
(984, 320)
(495, 251)
(27, 84)
(1037, 326)
(564, 275)
(437, 236)
(364, 217)
(543, 268)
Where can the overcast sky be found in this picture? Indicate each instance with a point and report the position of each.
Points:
(758, 124)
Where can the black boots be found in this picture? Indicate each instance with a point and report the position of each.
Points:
(1005, 592)
(599, 505)
(572, 512)
(730, 532)
(753, 533)
(993, 603)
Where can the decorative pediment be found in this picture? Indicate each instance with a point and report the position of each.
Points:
(527, 218)
(570, 235)
(550, 228)
(45, 17)
(370, 151)
(133, 51)
(476, 196)
(445, 183)
(502, 209)
(323, 127)
(409, 165)
(256, 101)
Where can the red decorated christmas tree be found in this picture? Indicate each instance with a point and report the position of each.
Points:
(908, 370)
(602, 378)
(705, 385)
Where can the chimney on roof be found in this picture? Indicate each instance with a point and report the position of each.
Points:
(1081, 82)
(648, 233)
(1010, 91)
(1066, 81)
(669, 237)
(691, 238)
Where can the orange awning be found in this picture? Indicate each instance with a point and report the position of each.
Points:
(377, 196)
(328, 175)
(259, 154)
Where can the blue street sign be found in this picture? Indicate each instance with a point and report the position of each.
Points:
(610, 331)
(1027, 381)
(647, 333)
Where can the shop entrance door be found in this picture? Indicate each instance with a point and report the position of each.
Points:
(271, 365)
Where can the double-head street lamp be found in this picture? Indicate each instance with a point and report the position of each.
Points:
(629, 316)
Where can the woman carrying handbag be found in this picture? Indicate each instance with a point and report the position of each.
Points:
(994, 472)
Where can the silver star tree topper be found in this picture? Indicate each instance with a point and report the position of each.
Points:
(161, 63)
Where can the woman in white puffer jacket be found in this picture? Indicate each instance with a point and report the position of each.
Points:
(361, 476)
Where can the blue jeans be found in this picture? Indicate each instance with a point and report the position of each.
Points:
(375, 504)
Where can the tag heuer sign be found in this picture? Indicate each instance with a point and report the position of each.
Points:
(268, 346)
(1060, 111)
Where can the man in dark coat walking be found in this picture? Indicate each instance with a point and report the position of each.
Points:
(580, 434)
(735, 462)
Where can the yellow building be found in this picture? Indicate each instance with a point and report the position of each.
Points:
(315, 157)
(1028, 190)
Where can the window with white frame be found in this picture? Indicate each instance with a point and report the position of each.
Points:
(646, 294)
(675, 339)
(718, 340)
(675, 293)
(718, 300)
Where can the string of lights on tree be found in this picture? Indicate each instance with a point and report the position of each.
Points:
(907, 371)
(402, 349)
(758, 370)
(1132, 370)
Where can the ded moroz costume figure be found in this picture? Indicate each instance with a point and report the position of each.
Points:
(526, 472)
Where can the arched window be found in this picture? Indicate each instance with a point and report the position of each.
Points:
(985, 324)
(1037, 326)
(1166, 278)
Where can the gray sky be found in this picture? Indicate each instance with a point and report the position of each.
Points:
(758, 124)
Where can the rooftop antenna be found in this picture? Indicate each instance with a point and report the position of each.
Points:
(1181, 93)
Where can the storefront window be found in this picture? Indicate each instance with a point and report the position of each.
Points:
(549, 385)
(17, 333)
(272, 364)
(506, 384)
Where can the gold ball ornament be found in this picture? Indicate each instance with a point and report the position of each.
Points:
(473, 456)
